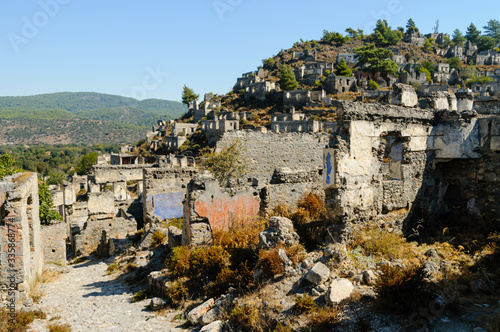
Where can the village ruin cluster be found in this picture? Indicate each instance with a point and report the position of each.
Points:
(413, 156)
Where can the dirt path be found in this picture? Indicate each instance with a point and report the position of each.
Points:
(90, 300)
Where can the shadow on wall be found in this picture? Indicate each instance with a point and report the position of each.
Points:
(460, 195)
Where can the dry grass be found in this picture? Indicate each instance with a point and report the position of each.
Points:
(383, 244)
(158, 237)
(243, 233)
(59, 327)
(304, 304)
(324, 318)
(177, 292)
(270, 263)
(112, 268)
(21, 321)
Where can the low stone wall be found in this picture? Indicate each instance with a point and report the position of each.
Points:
(55, 237)
(86, 236)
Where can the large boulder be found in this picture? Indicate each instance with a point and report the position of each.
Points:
(318, 274)
(404, 95)
(195, 314)
(280, 230)
(339, 290)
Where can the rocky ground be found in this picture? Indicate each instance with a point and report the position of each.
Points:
(88, 299)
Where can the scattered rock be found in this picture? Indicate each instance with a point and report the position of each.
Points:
(339, 290)
(157, 303)
(432, 254)
(213, 327)
(195, 314)
(106, 248)
(318, 274)
(280, 230)
(369, 277)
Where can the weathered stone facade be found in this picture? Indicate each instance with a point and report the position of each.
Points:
(164, 191)
(21, 257)
(387, 163)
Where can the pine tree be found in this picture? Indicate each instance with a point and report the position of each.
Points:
(375, 60)
(341, 69)
(287, 79)
(492, 29)
(384, 35)
(411, 27)
(472, 33)
(188, 95)
(458, 38)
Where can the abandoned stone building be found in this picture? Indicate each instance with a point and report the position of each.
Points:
(339, 84)
(260, 90)
(415, 38)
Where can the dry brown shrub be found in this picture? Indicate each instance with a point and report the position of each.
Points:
(383, 244)
(243, 233)
(324, 318)
(271, 263)
(54, 327)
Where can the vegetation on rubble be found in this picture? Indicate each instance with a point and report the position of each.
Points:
(227, 164)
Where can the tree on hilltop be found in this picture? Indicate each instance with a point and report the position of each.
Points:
(457, 38)
(375, 60)
(472, 33)
(411, 27)
(341, 69)
(492, 30)
(287, 78)
(188, 95)
(384, 35)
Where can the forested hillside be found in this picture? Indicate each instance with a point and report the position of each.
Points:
(83, 117)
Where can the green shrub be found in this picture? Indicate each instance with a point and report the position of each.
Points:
(207, 261)
(178, 262)
(111, 268)
(372, 85)
(140, 295)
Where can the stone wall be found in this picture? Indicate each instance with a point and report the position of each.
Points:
(86, 236)
(164, 191)
(118, 173)
(54, 238)
(208, 207)
(21, 257)
(387, 163)
(265, 152)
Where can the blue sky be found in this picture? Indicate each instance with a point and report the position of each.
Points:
(151, 48)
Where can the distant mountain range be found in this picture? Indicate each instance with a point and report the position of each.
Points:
(81, 117)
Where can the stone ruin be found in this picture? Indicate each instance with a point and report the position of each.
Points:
(22, 254)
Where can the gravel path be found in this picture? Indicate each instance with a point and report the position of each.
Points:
(90, 300)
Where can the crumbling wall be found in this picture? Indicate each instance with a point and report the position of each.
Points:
(118, 173)
(209, 207)
(55, 237)
(164, 191)
(86, 236)
(282, 166)
(21, 257)
(385, 163)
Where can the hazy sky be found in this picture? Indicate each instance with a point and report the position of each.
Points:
(151, 48)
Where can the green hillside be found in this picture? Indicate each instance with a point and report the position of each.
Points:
(82, 117)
